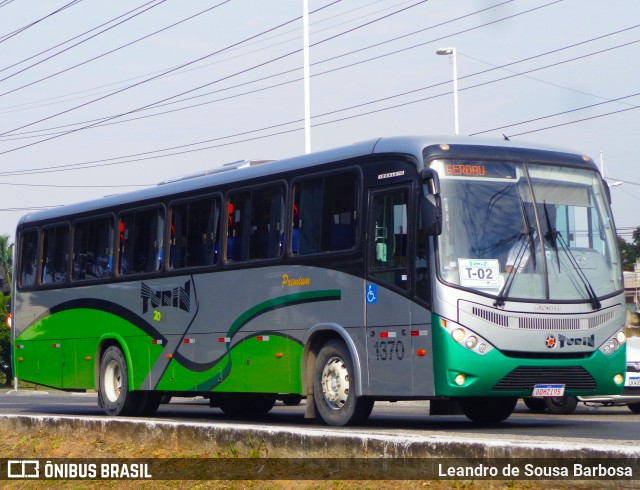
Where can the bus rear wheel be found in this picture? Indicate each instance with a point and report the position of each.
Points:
(488, 410)
(561, 405)
(537, 405)
(113, 390)
(334, 387)
(634, 407)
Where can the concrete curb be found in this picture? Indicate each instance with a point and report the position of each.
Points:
(295, 442)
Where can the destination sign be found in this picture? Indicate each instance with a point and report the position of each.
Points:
(462, 168)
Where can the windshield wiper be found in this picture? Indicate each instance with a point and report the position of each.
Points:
(511, 273)
(554, 237)
(528, 232)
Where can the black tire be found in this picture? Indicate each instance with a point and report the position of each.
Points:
(148, 403)
(537, 405)
(113, 389)
(488, 410)
(634, 407)
(291, 400)
(334, 391)
(561, 405)
(242, 404)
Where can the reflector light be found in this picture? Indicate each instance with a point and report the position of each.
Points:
(278, 355)
(222, 340)
(421, 352)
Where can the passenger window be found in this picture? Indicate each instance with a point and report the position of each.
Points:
(325, 214)
(28, 258)
(255, 220)
(140, 244)
(389, 220)
(55, 254)
(92, 252)
(194, 233)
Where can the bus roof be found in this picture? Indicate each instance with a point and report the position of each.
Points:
(246, 170)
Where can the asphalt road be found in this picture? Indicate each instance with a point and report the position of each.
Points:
(595, 425)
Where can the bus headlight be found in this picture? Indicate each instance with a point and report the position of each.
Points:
(471, 342)
(614, 343)
(466, 338)
(458, 335)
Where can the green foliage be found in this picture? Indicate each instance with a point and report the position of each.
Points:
(6, 263)
(6, 256)
(630, 252)
(6, 373)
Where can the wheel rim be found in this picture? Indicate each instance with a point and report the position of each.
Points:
(112, 381)
(335, 383)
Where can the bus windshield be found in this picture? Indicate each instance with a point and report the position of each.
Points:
(526, 231)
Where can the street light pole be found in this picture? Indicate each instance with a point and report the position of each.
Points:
(452, 52)
(307, 93)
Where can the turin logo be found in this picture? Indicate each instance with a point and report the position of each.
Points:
(179, 297)
(550, 341)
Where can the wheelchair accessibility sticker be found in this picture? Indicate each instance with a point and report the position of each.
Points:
(372, 293)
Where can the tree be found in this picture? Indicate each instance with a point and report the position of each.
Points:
(6, 373)
(6, 268)
(630, 252)
(6, 258)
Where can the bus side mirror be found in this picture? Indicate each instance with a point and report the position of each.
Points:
(607, 190)
(430, 207)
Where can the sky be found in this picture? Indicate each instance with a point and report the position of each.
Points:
(99, 98)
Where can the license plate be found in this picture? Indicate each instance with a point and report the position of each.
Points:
(632, 381)
(548, 390)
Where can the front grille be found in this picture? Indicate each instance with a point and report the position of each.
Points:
(525, 377)
(537, 323)
(631, 391)
(491, 316)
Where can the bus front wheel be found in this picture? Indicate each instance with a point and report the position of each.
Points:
(114, 393)
(334, 387)
(488, 410)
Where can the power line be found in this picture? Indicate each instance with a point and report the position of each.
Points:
(9, 35)
(87, 164)
(574, 122)
(73, 46)
(174, 69)
(159, 104)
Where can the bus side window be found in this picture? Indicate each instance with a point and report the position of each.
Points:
(28, 258)
(55, 254)
(92, 252)
(325, 214)
(194, 233)
(389, 221)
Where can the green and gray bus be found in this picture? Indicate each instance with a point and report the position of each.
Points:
(460, 271)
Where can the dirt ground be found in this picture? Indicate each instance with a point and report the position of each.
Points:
(23, 444)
